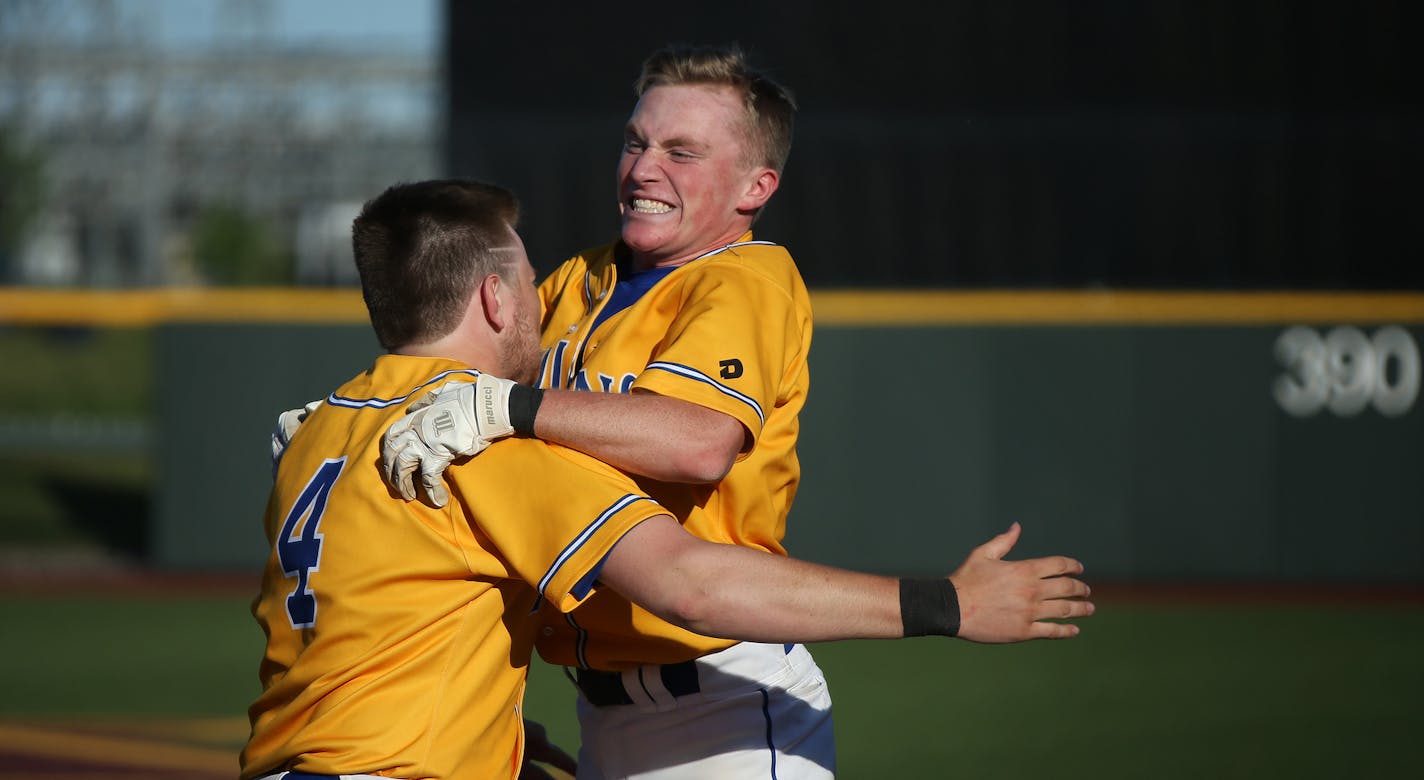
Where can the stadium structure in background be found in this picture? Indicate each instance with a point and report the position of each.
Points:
(134, 140)
(998, 143)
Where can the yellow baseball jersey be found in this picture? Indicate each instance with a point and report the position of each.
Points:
(730, 331)
(398, 636)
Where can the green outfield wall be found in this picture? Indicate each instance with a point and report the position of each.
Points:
(1150, 453)
(1211, 441)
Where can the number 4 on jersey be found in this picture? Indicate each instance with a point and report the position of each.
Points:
(299, 544)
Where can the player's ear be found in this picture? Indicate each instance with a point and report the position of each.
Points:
(761, 185)
(493, 304)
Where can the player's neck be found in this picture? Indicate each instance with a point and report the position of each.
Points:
(642, 261)
(474, 353)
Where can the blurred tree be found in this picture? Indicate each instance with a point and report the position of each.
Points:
(232, 248)
(21, 196)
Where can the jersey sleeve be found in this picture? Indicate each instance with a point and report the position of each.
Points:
(736, 344)
(550, 514)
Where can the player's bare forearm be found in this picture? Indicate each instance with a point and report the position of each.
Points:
(741, 593)
(643, 433)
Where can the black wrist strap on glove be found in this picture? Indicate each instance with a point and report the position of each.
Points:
(929, 607)
(523, 407)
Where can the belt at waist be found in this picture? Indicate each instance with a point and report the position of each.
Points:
(607, 689)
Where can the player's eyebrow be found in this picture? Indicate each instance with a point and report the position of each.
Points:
(685, 143)
(631, 132)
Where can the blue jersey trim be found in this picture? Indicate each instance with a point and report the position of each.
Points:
(583, 537)
(382, 403)
(692, 373)
(580, 641)
(585, 584)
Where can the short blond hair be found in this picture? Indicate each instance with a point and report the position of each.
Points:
(770, 107)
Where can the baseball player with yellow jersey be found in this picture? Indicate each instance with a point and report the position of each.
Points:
(394, 638)
(728, 331)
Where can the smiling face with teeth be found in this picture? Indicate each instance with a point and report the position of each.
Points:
(685, 182)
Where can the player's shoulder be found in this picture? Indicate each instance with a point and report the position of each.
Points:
(394, 380)
(766, 258)
(748, 249)
(746, 264)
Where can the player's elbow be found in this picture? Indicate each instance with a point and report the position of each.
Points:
(704, 467)
(693, 597)
(707, 458)
(695, 608)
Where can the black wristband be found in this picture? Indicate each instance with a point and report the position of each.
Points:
(929, 607)
(523, 407)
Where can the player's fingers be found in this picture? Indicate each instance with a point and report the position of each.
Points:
(1064, 609)
(1000, 545)
(394, 445)
(279, 446)
(410, 453)
(422, 402)
(401, 464)
(1054, 566)
(389, 454)
(438, 496)
(404, 481)
(398, 429)
(391, 462)
(1063, 588)
(1054, 630)
(434, 487)
(289, 421)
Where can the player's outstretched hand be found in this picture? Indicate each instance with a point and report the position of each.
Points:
(1013, 601)
(537, 747)
(287, 424)
(457, 420)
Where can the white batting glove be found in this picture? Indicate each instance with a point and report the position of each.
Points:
(287, 424)
(457, 420)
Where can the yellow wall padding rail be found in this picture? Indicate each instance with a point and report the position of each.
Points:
(897, 308)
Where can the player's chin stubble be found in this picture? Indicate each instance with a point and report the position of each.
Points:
(520, 356)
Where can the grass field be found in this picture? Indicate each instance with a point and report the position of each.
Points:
(1151, 689)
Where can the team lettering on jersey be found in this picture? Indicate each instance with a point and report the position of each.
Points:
(553, 375)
